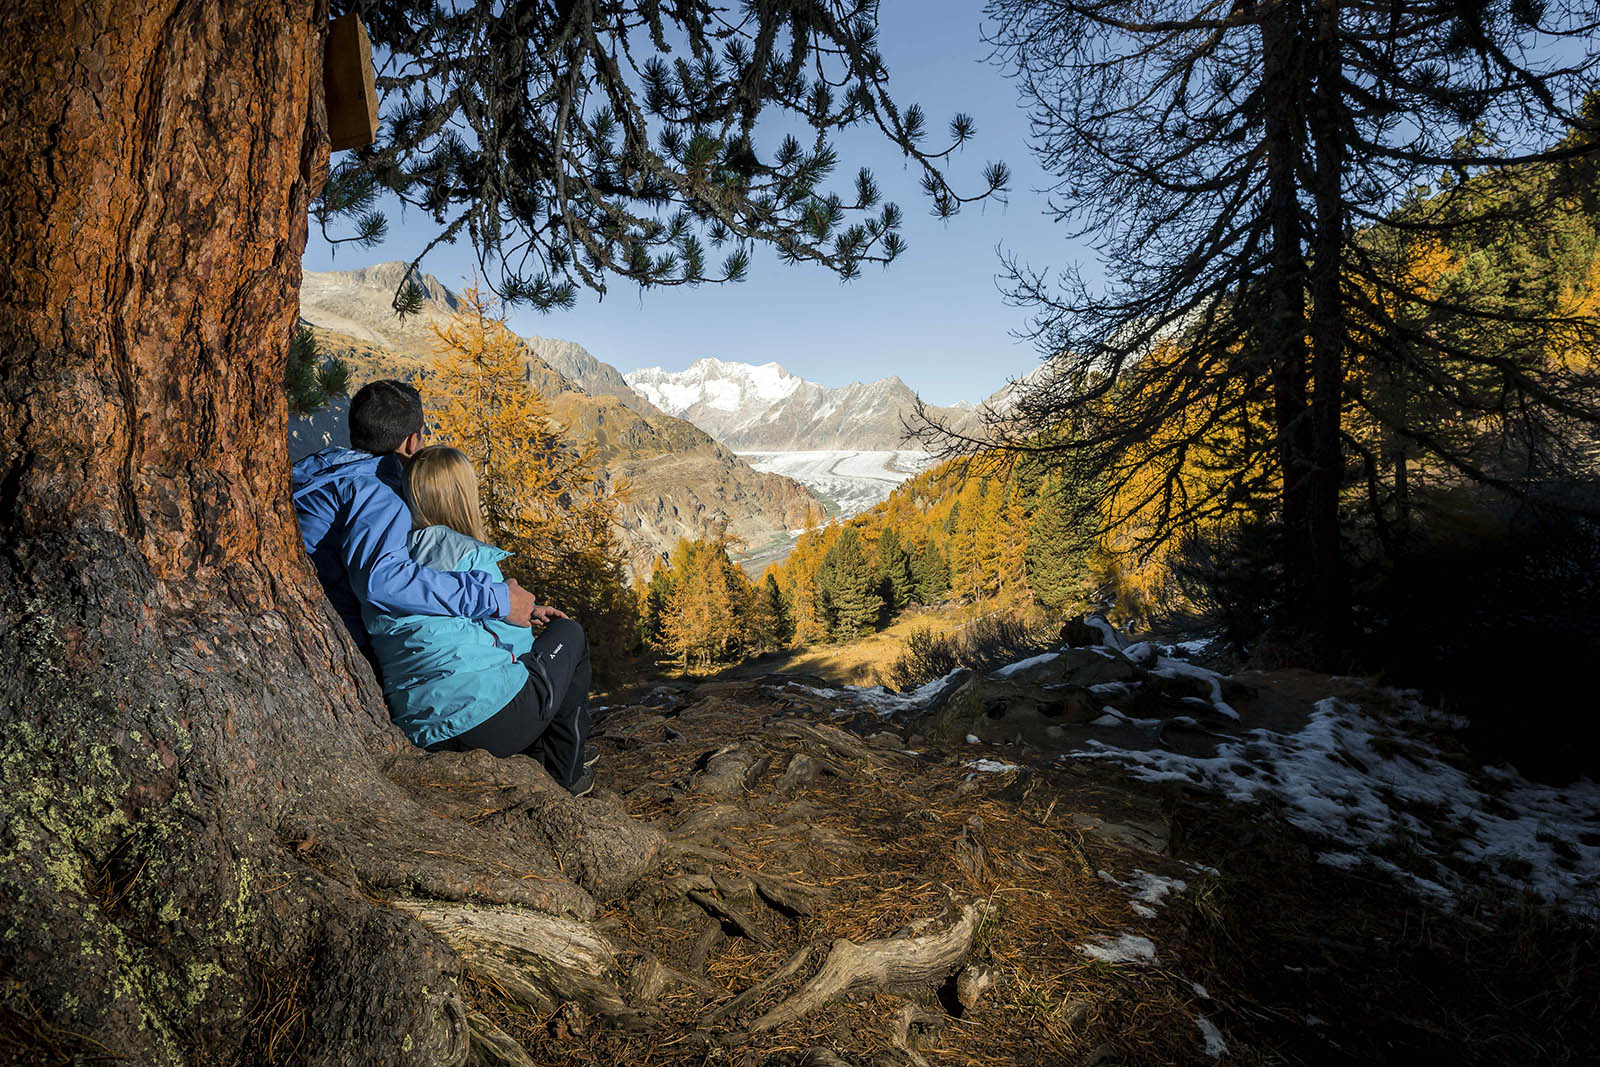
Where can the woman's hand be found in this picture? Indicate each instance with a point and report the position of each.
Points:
(543, 613)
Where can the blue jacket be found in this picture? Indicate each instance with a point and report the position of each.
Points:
(443, 676)
(354, 523)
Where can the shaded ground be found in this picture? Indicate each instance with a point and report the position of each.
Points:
(1122, 921)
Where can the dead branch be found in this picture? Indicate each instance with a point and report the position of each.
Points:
(882, 964)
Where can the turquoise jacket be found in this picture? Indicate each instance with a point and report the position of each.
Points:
(443, 675)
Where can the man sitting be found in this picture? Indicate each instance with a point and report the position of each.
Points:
(354, 523)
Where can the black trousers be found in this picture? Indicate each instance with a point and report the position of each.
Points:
(549, 718)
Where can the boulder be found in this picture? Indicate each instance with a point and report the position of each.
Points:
(1075, 633)
(1000, 710)
(1080, 667)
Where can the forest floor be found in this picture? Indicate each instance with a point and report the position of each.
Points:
(1130, 909)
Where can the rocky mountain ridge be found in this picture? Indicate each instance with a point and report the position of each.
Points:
(765, 408)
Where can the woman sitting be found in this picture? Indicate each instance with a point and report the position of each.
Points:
(453, 683)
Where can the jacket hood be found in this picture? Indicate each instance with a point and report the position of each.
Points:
(445, 548)
(336, 464)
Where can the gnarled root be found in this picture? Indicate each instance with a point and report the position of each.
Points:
(540, 960)
(492, 1046)
(882, 964)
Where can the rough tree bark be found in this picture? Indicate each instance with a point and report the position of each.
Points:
(203, 807)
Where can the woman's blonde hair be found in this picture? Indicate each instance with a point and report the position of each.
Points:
(444, 490)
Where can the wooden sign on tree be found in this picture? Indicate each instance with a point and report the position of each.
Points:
(348, 85)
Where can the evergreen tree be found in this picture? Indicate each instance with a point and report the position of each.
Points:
(1056, 558)
(567, 134)
(931, 573)
(894, 571)
(775, 624)
(849, 588)
(654, 603)
(309, 380)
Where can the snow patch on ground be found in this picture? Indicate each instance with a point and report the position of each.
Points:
(1021, 665)
(1167, 667)
(1369, 787)
(1215, 1047)
(991, 766)
(1146, 891)
(881, 699)
(1124, 948)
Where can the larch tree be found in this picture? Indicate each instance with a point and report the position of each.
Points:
(1229, 160)
(541, 492)
(201, 797)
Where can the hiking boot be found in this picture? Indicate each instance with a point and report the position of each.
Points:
(591, 756)
(583, 786)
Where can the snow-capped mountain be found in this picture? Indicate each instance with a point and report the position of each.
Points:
(764, 408)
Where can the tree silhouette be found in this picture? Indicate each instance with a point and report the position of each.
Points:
(1233, 164)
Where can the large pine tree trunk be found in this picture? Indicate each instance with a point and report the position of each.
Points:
(1283, 335)
(202, 803)
(1327, 122)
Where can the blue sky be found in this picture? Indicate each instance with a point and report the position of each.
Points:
(935, 317)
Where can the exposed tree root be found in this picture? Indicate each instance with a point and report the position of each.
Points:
(594, 841)
(492, 1046)
(909, 1024)
(728, 771)
(772, 981)
(829, 739)
(540, 960)
(823, 1057)
(710, 936)
(882, 964)
(731, 916)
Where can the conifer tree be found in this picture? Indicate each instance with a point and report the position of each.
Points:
(776, 618)
(541, 495)
(805, 596)
(894, 571)
(1011, 543)
(1241, 159)
(695, 614)
(852, 603)
(308, 379)
(987, 537)
(931, 572)
(654, 603)
(966, 541)
(1056, 567)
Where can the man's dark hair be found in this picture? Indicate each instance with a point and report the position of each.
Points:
(383, 414)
